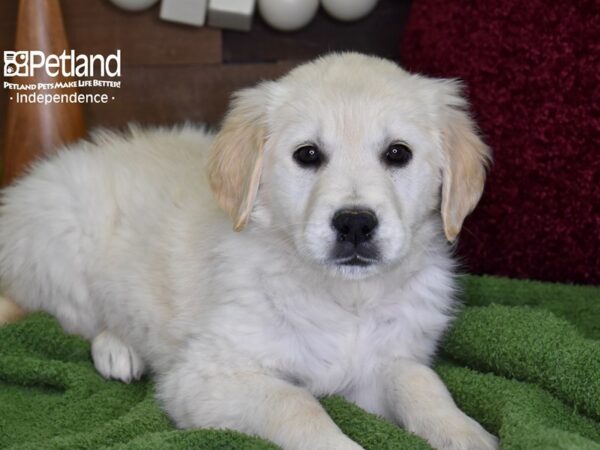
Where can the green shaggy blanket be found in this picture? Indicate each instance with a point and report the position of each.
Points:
(523, 358)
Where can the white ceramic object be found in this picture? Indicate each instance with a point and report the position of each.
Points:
(134, 5)
(231, 14)
(188, 12)
(348, 10)
(288, 15)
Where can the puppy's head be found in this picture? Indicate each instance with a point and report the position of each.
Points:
(345, 158)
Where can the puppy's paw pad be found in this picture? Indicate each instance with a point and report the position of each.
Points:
(115, 359)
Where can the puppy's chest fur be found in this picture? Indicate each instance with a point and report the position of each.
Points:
(335, 342)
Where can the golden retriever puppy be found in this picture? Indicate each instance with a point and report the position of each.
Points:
(344, 181)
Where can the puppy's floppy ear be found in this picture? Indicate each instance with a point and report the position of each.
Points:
(466, 159)
(235, 161)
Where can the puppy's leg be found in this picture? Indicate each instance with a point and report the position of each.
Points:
(10, 311)
(420, 401)
(115, 359)
(252, 403)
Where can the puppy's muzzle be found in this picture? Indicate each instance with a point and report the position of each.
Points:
(355, 229)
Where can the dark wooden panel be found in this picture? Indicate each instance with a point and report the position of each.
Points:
(8, 23)
(96, 26)
(173, 94)
(378, 34)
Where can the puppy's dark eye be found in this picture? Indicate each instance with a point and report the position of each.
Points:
(397, 155)
(308, 156)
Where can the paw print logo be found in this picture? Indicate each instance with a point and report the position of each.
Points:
(15, 64)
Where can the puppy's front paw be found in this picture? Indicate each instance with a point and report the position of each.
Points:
(459, 433)
(115, 359)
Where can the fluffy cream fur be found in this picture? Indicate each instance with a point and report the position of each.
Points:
(122, 239)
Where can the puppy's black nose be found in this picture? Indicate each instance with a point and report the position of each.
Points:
(354, 225)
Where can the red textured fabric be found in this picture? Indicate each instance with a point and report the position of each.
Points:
(532, 74)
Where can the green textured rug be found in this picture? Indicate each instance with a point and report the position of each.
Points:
(523, 359)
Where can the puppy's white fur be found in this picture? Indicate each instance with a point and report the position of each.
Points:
(122, 240)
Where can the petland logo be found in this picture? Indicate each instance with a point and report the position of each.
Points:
(34, 77)
(27, 63)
